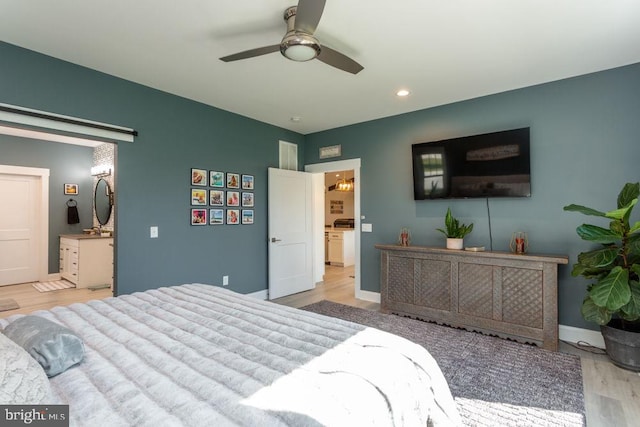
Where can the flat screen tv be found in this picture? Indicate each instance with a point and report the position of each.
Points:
(489, 165)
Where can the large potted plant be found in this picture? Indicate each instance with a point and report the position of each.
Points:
(613, 296)
(454, 231)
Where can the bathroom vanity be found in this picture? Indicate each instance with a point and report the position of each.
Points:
(86, 260)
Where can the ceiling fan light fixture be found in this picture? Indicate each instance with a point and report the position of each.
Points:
(299, 47)
(299, 43)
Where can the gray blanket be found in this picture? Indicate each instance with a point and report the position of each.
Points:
(201, 355)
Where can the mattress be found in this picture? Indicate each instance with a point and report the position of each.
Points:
(199, 355)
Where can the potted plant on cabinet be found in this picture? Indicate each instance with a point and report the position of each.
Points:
(613, 298)
(454, 231)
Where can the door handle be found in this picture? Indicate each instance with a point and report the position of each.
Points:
(273, 240)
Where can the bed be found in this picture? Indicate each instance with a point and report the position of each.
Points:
(198, 355)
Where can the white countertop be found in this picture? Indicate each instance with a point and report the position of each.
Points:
(85, 236)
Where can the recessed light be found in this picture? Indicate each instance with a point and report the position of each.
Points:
(296, 119)
(402, 93)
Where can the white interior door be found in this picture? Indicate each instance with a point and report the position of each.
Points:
(290, 232)
(19, 228)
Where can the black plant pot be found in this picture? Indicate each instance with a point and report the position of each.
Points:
(623, 346)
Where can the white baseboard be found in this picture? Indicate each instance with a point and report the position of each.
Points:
(263, 295)
(363, 295)
(574, 335)
(368, 295)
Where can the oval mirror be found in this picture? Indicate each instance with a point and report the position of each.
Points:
(102, 201)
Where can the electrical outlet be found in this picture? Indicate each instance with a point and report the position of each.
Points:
(225, 280)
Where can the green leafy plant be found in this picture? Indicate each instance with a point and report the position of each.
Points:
(453, 228)
(614, 267)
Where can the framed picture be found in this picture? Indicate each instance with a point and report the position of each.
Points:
(216, 216)
(198, 217)
(233, 180)
(216, 179)
(233, 198)
(216, 198)
(71, 189)
(247, 216)
(331, 151)
(198, 197)
(247, 200)
(247, 182)
(233, 216)
(336, 206)
(199, 177)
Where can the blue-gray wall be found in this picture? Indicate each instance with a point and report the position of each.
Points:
(153, 173)
(67, 164)
(585, 144)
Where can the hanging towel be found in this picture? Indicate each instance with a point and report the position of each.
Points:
(72, 212)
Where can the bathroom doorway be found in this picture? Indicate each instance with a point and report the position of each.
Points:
(62, 163)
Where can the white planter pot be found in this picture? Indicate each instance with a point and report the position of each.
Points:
(455, 243)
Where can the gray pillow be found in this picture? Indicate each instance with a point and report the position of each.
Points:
(22, 379)
(54, 347)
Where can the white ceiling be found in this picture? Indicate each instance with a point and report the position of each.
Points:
(441, 50)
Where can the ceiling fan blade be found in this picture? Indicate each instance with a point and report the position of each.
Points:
(308, 15)
(338, 60)
(251, 53)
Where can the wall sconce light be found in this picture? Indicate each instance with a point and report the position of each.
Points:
(101, 170)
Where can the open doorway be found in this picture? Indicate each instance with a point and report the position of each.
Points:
(64, 182)
(339, 227)
(319, 170)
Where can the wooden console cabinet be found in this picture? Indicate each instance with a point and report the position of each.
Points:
(497, 293)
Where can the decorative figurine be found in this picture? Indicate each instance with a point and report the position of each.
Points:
(405, 237)
(519, 242)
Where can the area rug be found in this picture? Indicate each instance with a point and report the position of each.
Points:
(55, 285)
(7, 304)
(495, 382)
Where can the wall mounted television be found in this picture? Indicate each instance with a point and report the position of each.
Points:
(489, 165)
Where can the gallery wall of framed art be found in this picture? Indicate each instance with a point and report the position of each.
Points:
(221, 198)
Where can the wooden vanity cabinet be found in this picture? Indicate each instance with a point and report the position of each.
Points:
(86, 261)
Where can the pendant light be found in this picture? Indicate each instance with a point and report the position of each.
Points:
(343, 184)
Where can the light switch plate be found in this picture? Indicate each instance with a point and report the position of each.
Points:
(153, 232)
(367, 228)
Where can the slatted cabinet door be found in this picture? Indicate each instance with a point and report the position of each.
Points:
(499, 293)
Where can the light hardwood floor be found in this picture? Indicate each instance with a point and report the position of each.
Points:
(29, 299)
(612, 395)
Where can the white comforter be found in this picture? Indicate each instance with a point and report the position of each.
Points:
(200, 355)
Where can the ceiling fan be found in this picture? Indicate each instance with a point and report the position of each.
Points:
(299, 43)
